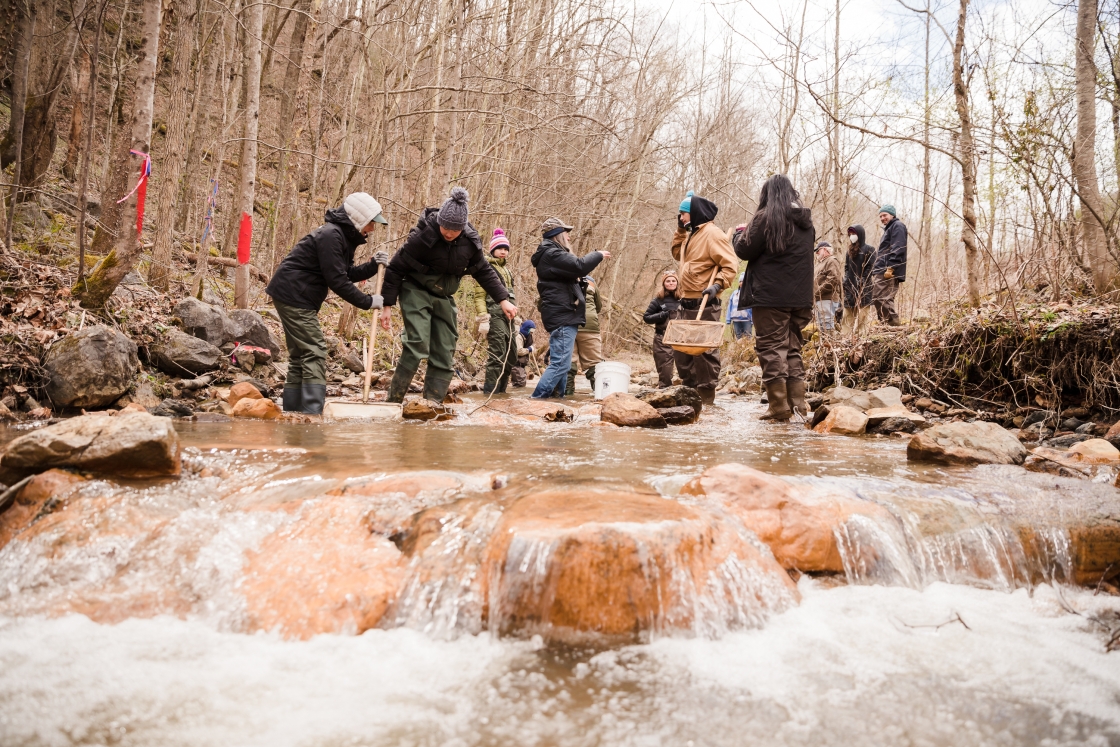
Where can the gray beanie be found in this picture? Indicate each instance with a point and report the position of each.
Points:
(453, 213)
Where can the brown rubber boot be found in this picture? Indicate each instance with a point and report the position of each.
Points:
(795, 388)
(778, 400)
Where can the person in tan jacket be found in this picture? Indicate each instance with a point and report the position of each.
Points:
(707, 266)
(827, 281)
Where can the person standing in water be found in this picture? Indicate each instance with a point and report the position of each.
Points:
(423, 275)
(658, 313)
(501, 357)
(778, 288)
(589, 341)
(320, 262)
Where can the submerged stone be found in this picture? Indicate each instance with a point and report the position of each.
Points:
(966, 443)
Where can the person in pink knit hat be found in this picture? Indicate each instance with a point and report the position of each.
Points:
(492, 322)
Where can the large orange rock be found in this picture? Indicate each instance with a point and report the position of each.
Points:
(798, 522)
(242, 390)
(844, 420)
(627, 410)
(323, 572)
(29, 501)
(262, 409)
(584, 565)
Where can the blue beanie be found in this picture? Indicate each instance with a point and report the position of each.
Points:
(888, 209)
(686, 203)
(527, 325)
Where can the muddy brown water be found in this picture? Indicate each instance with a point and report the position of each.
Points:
(947, 646)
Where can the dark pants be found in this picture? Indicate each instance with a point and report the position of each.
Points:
(883, 293)
(502, 356)
(430, 331)
(307, 348)
(518, 377)
(698, 371)
(778, 341)
(663, 361)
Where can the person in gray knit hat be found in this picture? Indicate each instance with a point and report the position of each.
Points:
(424, 274)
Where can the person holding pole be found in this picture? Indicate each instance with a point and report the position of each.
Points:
(424, 275)
(320, 262)
(501, 357)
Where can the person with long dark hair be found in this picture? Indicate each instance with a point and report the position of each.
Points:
(658, 313)
(778, 288)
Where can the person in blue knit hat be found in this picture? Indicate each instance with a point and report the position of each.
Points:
(518, 376)
(890, 266)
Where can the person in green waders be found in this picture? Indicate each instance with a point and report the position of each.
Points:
(322, 261)
(491, 319)
(424, 275)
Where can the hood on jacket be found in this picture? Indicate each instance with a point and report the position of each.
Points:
(543, 247)
(339, 217)
(703, 211)
(861, 234)
(495, 261)
(802, 218)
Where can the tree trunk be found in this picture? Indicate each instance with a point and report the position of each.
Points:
(175, 146)
(253, 23)
(968, 162)
(77, 119)
(1084, 149)
(19, 109)
(126, 249)
(87, 149)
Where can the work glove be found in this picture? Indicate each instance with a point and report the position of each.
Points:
(377, 301)
(484, 328)
(888, 273)
(712, 292)
(381, 258)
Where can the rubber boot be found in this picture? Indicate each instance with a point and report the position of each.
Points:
(313, 397)
(707, 395)
(894, 321)
(398, 387)
(778, 401)
(293, 398)
(435, 388)
(795, 388)
(570, 385)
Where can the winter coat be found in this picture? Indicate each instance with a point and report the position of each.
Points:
(892, 250)
(438, 265)
(827, 279)
(562, 300)
(857, 271)
(323, 261)
(778, 279)
(594, 306)
(499, 265)
(700, 250)
(660, 311)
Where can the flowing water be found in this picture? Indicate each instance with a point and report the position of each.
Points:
(957, 631)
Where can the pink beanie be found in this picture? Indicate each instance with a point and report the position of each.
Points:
(498, 240)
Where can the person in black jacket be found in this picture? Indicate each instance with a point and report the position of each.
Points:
(322, 261)
(424, 275)
(857, 283)
(658, 313)
(563, 304)
(778, 288)
(890, 265)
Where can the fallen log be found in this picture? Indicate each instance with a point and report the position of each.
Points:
(229, 262)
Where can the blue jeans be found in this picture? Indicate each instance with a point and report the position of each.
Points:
(561, 343)
(742, 328)
(826, 314)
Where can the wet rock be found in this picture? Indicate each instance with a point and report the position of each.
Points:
(173, 408)
(1095, 451)
(1038, 416)
(142, 394)
(820, 412)
(242, 390)
(884, 397)
(6, 415)
(843, 420)
(842, 395)
(583, 565)
(203, 321)
(247, 326)
(629, 411)
(1112, 435)
(1068, 440)
(800, 524)
(180, 354)
(129, 444)
(261, 386)
(877, 415)
(966, 443)
(90, 368)
(533, 409)
(674, 396)
(261, 409)
(678, 415)
(422, 409)
(29, 501)
(897, 425)
(321, 573)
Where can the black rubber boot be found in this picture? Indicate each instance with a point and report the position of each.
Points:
(570, 385)
(590, 374)
(795, 388)
(894, 321)
(707, 395)
(293, 398)
(313, 396)
(398, 386)
(435, 389)
(778, 401)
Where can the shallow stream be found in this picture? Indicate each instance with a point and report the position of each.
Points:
(954, 641)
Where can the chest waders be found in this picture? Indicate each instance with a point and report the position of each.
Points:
(501, 355)
(430, 331)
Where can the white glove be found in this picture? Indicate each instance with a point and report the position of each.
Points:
(484, 328)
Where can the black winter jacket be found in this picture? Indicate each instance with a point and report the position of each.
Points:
(778, 279)
(426, 253)
(857, 271)
(562, 301)
(659, 311)
(892, 250)
(323, 260)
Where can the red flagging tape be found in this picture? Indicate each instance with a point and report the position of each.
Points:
(245, 239)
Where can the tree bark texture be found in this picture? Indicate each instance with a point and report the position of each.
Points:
(968, 162)
(248, 180)
(77, 119)
(19, 113)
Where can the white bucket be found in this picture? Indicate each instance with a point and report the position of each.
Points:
(611, 377)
